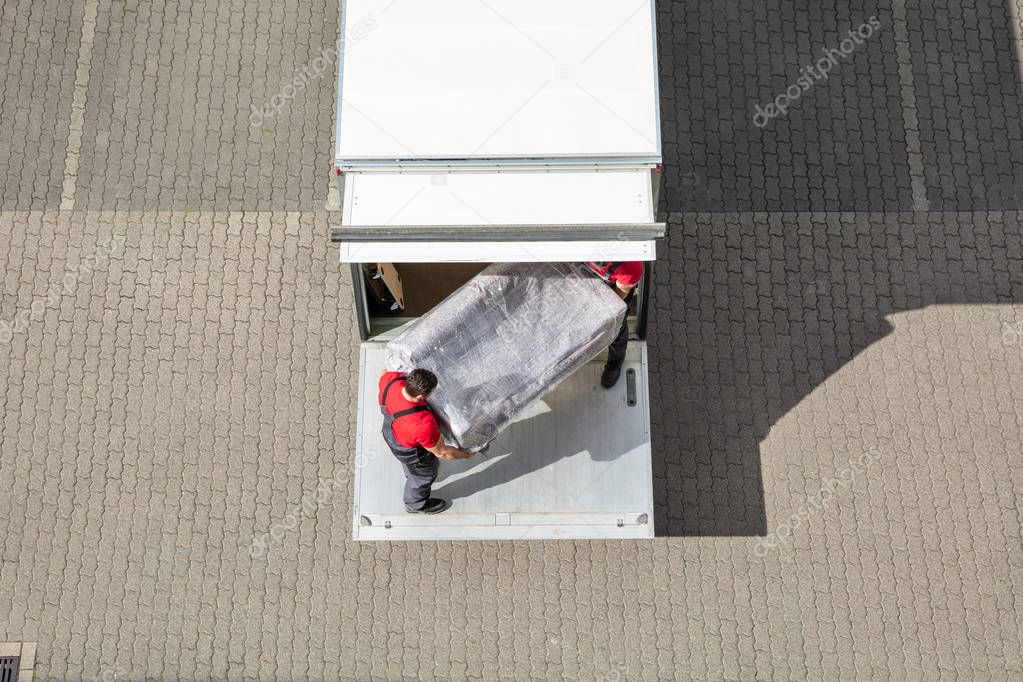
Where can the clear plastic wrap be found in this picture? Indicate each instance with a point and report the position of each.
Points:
(505, 339)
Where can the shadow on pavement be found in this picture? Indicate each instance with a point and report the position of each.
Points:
(752, 312)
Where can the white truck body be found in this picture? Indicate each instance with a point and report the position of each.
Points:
(477, 131)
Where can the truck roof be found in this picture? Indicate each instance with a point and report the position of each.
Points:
(482, 79)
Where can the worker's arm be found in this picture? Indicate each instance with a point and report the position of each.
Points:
(445, 451)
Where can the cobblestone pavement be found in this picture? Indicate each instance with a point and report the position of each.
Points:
(836, 362)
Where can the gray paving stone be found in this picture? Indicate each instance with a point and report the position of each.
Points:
(969, 100)
(38, 58)
(836, 411)
(840, 146)
(891, 416)
(171, 102)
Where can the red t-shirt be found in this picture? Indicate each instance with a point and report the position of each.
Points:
(410, 430)
(627, 275)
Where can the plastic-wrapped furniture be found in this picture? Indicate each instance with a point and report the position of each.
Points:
(505, 339)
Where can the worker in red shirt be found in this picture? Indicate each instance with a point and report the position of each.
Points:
(623, 277)
(410, 430)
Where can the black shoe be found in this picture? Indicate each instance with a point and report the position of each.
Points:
(610, 376)
(434, 505)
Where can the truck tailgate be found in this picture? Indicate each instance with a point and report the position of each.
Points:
(573, 465)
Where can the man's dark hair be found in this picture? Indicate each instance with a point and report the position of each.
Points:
(420, 382)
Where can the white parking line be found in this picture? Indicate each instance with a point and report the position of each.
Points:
(909, 119)
(1016, 14)
(77, 122)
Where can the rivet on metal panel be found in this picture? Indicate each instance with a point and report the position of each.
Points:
(621, 523)
(387, 524)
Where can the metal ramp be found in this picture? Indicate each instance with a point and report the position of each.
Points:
(575, 465)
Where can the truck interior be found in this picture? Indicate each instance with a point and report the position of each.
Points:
(394, 294)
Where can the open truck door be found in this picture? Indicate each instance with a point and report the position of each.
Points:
(459, 146)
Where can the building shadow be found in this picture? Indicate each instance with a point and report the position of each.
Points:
(789, 243)
(752, 312)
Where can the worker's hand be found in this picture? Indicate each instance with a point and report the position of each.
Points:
(623, 292)
(445, 451)
(448, 452)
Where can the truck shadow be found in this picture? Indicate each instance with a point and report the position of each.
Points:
(752, 312)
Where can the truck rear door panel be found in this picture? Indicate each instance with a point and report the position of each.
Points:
(576, 464)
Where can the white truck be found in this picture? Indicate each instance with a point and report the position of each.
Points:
(479, 131)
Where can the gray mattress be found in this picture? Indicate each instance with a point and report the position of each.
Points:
(505, 339)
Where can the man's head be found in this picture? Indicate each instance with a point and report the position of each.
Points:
(419, 383)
